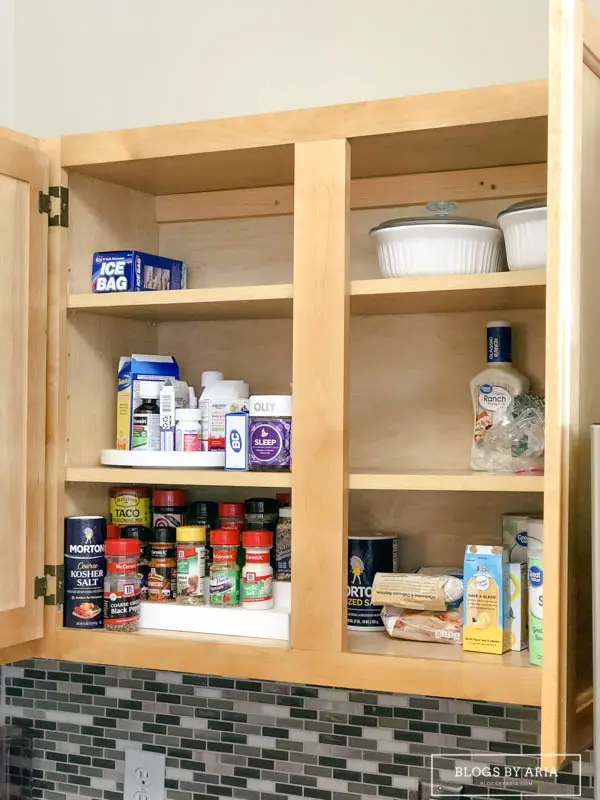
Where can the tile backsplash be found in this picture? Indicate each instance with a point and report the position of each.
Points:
(254, 740)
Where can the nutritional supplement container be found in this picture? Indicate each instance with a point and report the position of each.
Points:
(270, 432)
(187, 430)
(535, 580)
(122, 585)
(191, 564)
(142, 535)
(162, 575)
(84, 571)
(257, 573)
(168, 508)
(131, 505)
(145, 432)
(224, 570)
(283, 546)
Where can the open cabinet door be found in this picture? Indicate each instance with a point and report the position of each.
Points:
(572, 374)
(23, 269)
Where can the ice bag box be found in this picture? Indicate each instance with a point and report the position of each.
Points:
(133, 271)
(132, 370)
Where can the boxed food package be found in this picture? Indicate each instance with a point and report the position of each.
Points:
(487, 600)
(518, 607)
(514, 537)
(133, 271)
(132, 370)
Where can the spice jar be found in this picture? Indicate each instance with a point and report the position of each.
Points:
(270, 433)
(162, 577)
(231, 517)
(121, 585)
(142, 534)
(191, 564)
(283, 546)
(168, 508)
(130, 505)
(224, 571)
(257, 573)
(260, 514)
(206, 513)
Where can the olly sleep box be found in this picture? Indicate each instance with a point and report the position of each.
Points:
(132, 271)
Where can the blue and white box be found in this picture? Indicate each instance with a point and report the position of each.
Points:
(133, 271)
(236, 441)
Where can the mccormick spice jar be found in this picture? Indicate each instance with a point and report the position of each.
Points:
(270, 433)
(84, 571)
(162, 577)
(257, 573)
(122, 585)
(130, 505)
(168, 508)
(206, 513)
(261, 514)
(191, 564)
(231, 518)
(224, 570)
(142, 535)
(283, 546)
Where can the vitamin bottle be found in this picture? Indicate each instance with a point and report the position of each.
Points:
(257, 573)
(146, 418)
(121, 585)
(187, 430)
(224, 571)
(191, 564)
(493, 390)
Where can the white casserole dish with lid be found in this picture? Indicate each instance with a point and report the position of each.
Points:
(525, 227)
(438, 245)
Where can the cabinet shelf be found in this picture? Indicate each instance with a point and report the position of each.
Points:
(178, 477)
(446, 481)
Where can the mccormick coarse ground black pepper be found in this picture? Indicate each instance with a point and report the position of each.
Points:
(122, 585)
(162, 578)
(84, 571)
(168, 508)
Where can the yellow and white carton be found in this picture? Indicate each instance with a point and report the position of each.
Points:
(519, 617)
(486, 600)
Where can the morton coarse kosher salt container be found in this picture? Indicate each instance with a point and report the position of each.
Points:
(84, 571)
(270, 432)
(367, 555)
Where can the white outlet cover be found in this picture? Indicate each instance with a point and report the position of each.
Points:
(144, 775)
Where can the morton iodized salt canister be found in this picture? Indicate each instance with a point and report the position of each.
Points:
(84, 571)
(367, 555)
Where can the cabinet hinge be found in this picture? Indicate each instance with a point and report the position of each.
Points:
(56, 205)
(42, 587)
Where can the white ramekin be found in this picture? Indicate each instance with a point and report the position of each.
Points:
(525, 228)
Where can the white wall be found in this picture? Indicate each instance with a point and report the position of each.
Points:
(7, 59)
(83, 66)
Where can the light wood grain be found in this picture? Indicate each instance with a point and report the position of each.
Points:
(274, 201)
(23, 309)
(446, 481)
(320, 430)
(591, 40)
(177, 477)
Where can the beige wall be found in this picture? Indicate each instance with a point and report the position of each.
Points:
(7, 59)
(83, 65)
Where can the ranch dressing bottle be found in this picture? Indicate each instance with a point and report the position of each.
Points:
(494, 389)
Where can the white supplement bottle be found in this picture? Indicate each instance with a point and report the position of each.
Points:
(209, 378)
(188, 430)
(493, 390)
(145, 433)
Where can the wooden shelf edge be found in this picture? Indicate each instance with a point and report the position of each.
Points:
(178, 477)
(467, 481)
(448, 283)
(485, 680)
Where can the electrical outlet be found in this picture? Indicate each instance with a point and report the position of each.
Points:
(144, 775)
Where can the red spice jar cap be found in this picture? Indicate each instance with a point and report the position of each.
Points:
(257, 538)
(227, 536)
(122, 547)
(168, 497)
(112, 531)
(231, 509)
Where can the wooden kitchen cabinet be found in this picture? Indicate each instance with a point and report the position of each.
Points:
(271, 214)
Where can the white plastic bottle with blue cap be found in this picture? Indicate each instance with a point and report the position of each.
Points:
(493, 390)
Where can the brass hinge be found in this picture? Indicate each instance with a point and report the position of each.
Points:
(56, 205)
(42, 585)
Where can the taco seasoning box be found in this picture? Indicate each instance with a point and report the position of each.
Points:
(191, 564)
(122, 585)
(224, 571)
(168, 508)
(162, 575)
(257, 572)
(84, 571)
(368, 555)
(270, 432)
(130, 505)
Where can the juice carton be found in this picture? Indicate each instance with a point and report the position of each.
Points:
(486, 600)
(132, 370)
(133, 271)
(519, 622)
